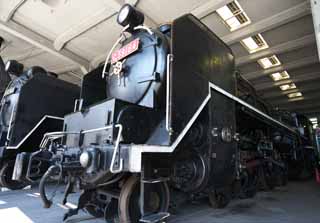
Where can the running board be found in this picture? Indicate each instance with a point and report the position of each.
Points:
(155, 218)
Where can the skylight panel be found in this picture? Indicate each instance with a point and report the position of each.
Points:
(254, 43)
(313, 120)
(288, 87)
(279, 76)
(295, 95)
(269, 62)
(233, 16)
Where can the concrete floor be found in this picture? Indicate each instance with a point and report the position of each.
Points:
(296, 203)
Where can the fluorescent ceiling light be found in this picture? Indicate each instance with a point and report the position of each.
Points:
(288, 87)
(313, 119)
(269, 62)
(280, 76)
(294, 95)
(254, 43)
(233, 16)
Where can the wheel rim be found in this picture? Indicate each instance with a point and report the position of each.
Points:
(129, 201)
(194, 164)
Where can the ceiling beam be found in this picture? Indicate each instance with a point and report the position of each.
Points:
(72, 75)
(302, 105)
(149, 21)
(43, 43)
(25, 54)
(289, 66)
(76, 75)
(71, 78)
(279, 93)
(308, 111)
(285, 100)
(88, 23)
(313, 114)
(269, 23)
(8, 8)
(278, 49)
(209, 7)
(200, 12)
(97, 60)
(65, 69)
(295, 79)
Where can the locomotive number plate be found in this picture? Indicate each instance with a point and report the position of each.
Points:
(125, 51)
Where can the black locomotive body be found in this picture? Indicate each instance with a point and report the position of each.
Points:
(31, 106)
(164, 121)
(4, 77)
(272, 148)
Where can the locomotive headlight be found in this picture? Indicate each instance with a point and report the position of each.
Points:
(226, 134)
(14, 67)
(1, 41)
(85, 159)
(128, 15)
(8, 64)
(123, 15)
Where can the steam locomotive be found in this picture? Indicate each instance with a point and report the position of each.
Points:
(269, 155)
(4, 78)
(30, 106)
(317, 171)
(166, 122)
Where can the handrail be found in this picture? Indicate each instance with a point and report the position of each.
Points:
(168, 94)
(10, 122)
(57, 135)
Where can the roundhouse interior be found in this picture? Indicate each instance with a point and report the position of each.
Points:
(276, 43)
(71, 37)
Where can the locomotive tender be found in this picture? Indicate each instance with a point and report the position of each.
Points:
(269, 154)
(164, 120)
(31, 106)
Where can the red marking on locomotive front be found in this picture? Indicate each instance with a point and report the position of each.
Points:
(125, 51)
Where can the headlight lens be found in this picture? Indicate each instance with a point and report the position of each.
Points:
(8, 65)
(128, 15)
(123, 14)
